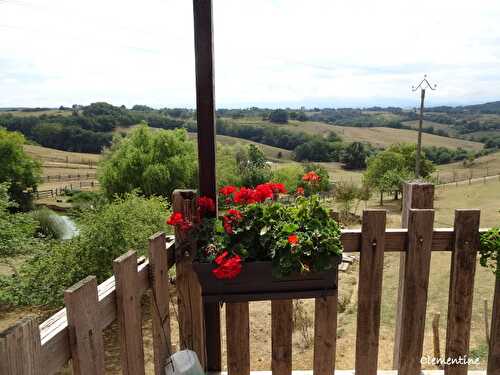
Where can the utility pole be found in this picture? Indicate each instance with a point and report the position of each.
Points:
(422, 86)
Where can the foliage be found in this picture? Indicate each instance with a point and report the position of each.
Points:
(279, 116)
(354, 156)
(296, 238)
(123, 224)
(489, 250)
(289, 175)
(155, 162)
(17, 230)
(318, 150)
(228, 170)
(17, 168)
(387, 170)
(345, 194)
(253, 166)
(48, 226)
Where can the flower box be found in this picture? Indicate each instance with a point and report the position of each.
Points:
(256, 282)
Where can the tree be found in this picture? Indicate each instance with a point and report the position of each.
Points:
(253, 166)
(387, 170)
(354, 156)
(17, 168)
(155, 162)
(279, 116)
(318, 150)
(345, 194)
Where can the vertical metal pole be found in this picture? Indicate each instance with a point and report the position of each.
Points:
(419, 142)
(205, 114)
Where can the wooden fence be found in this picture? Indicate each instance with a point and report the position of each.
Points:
(76, 332)
(69, 177)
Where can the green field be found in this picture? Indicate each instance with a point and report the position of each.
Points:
(377, 136)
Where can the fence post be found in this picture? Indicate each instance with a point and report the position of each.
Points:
(20, 349)
(463, 267)
(415, 195)
(494, 349)
(281, 339)
(415, 285)
(190, 304)
(371, 267)
(85, 334)
(238, 338)
(158, 262)
(128, 311)
(325, 334)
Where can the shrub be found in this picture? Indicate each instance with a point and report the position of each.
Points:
(490, 250)
(289, 175)
(48, 225)
(155, 162)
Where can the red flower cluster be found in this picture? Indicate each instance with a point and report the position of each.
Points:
(205, 205)
(293, 239)
(228, 190)
(228, 268)
(311, 177)
(177, 220)
(230, 218)
(300, 191)
(259, 194)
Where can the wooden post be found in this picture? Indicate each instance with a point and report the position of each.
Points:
(190, 305)
(128, 311)
(371, 266)
(205, 114)
(20, 349)
(494, 349)
(463, 268)
(85, 334)
(238, 338)
(160, 298)
(415, 284)
(282, 329)
(325, 334)
(415, 195)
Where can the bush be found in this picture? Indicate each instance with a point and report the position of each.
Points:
(104, 235)
(48, 225)
(155, 162)
(290, 176)
(278, 116)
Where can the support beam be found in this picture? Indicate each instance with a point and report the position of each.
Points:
(205, 115)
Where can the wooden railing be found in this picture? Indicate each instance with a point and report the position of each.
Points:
(76, 332)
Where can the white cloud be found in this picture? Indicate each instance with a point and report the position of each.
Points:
(279, 52)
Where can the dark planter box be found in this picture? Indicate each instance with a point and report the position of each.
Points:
(256, 283)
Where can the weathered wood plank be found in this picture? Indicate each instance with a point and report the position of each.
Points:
(190, 305)
(463, 268)
(494, 350)
(282, 329)
(128, 311)
(325, 335)
(85, 333)
(158, 272)
(371, 267)
(238, 338)
(415, 284)
(415, 195)
(20, 349)
(54, 331)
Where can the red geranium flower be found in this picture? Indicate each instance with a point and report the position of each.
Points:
(293, 239)
(245, 196)
(228, 268)
(175, 219)
(263, 192)
(220, 258)
(235, 213)
(205, 205)
(227, 190)
(311, 177)
(300, 191)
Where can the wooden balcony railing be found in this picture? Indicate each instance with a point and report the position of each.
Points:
(75, 333)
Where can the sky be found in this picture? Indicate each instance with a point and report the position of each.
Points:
(268, 53)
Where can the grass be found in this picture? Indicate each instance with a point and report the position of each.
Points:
(48, 112)
(436, 125)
